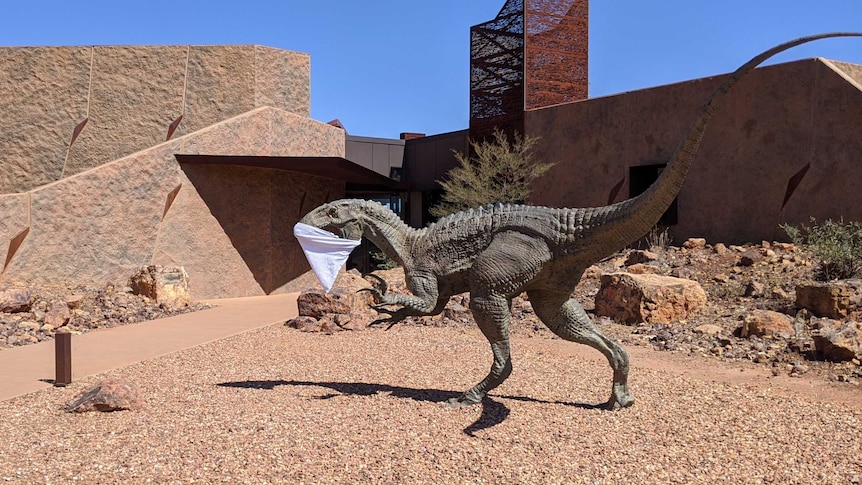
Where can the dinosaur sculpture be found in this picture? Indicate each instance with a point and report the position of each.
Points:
(498, 252)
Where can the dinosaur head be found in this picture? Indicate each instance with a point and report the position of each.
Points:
(343, 215)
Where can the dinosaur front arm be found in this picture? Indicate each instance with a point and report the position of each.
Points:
(424, 301)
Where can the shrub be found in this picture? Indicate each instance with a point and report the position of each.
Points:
(836, 245)
(499, 171)
(658, 238)
(379, 259)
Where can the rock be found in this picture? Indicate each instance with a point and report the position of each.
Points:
(317, 303)
(16, 300)
(708, 329)
(27, 339)
(786, 247)
(647, 298)
(344, 297)
(58, 315)
(168, 286)
(754, 289)
(459, 312)
(721, 278)
(720, 249)
(330, 323)
(750, 258)
(28, 326)
(304, 323)
(344, 300)
(593, 272)
(765, 323)
(640, 256)
(694, 243)
(682, 272)
(835, 299)
(74, 301)
(778, 293)
(641, 268)
(836, 340)
(108, 395)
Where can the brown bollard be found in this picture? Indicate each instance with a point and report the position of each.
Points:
(63, 358)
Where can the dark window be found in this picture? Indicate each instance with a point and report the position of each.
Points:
(640, 179)
(367, 257)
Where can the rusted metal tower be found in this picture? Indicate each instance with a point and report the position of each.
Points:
(533, 54)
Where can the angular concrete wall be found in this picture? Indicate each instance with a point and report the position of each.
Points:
(231, 227)
(68, 109)
(789, 131)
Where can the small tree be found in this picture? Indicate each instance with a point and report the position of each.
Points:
(500, 171)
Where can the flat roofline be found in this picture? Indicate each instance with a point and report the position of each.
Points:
(371, 139)
(335, 168)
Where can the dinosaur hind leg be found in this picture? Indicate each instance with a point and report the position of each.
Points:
(566, 318)
(502, 270)
(492, 315)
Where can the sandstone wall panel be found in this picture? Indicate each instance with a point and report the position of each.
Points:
(853, 71)
(14, 221)
(98, 227)
(293, 135)
(136, 93)
(247, 134)
(218, 230)
(219, 85)
(283, 80)
(43, 96)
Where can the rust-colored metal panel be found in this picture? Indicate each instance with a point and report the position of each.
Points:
(557, 47)
(497, 71)
(532, 55)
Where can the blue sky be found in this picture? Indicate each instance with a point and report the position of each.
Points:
(387, 66)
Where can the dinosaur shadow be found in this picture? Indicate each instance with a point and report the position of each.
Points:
(493, 412)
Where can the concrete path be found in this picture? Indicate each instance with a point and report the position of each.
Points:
(31, 367)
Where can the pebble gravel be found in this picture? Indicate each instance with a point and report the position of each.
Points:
(277, 405)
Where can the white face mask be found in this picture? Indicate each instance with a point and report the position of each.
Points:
(325, 252)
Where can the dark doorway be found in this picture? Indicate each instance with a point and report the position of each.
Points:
(640, 179)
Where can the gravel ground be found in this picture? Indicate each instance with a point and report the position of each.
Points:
(280, 406)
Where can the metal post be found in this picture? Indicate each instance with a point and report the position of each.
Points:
(63, 358)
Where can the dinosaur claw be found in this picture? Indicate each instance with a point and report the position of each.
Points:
(381, 321)
(375, 293)
(382, 286)
(378, 322)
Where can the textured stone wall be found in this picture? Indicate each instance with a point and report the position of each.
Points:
(230, 227)
(43, 99)
(788, 123)
(69, 109)
(853, 71)
(14, 225)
